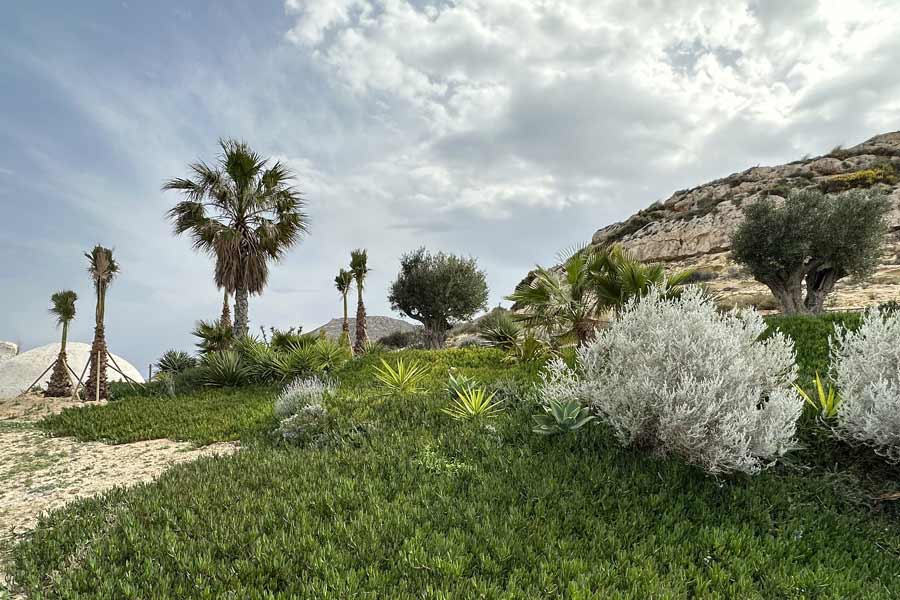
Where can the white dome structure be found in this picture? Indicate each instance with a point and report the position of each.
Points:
(18, 372)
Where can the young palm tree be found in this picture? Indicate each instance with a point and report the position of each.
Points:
(359, 268)
(560, 302)
(103, 269)
(343, 281)
(225, 319)
(63, 308)
(244, 213)
(568, 304)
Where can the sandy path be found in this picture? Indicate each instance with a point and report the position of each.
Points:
(41, 473)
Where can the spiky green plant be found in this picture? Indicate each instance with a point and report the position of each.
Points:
(403, 378)
(824, 400)
(500, 329)
(473, 403)
(224, 369)
(562, 416)
(243, 212)
(175, 361)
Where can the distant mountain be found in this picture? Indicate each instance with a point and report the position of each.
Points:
(692, 228)
(377, 326)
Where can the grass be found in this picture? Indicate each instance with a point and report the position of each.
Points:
(203, 417)
(423, 506)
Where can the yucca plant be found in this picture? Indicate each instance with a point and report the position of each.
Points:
(473, 403)
(225, 369)
(175, 361)
(500, 329)
(329, 354)
(402, 378)
(457, 382)
(825, 400)
(562, 416)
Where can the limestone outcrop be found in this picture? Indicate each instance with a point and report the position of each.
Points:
(692, 228)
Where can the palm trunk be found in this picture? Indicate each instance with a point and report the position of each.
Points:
(362, 335)
(60, 385)
(225, 319)
(345, 326)
(241, 320)
(96, 388)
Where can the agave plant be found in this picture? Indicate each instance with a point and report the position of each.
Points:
(175, 361)
(562, 416)
(224, 369)
(402, 378)
(473, 403)
(825, 401)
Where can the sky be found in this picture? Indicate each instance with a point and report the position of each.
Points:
(507, 130)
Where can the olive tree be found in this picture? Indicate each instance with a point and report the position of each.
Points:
(438, 290)
(809, 242)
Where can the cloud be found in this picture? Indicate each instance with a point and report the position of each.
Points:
(504, 129)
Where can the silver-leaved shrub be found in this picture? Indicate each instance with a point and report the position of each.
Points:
(301, 393)
(676, 376)
(866, 368)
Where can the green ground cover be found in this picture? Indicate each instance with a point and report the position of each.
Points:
(405, 502)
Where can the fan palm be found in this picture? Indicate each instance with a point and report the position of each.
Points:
(63, 308)
(214, 336)
(618, 277)
(569, 303)
(342, 282)
(359, 268)
(102, 268)
(559, 302)
(244, 213)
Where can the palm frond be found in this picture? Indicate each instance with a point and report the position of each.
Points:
(63, 306)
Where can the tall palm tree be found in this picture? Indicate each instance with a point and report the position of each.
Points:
(359, 267)
(569, 303)
(245, 213)
(102, 268)
(63, 308)
(343, 281)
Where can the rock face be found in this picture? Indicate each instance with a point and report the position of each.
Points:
(18, 372)
(8, 350)
(693, 227)
(377, 327)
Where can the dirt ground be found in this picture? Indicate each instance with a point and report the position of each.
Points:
(41, 473)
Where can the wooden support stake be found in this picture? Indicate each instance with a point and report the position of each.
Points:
(26, 390)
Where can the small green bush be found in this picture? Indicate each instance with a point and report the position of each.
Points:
(810, 334)
(403, 339)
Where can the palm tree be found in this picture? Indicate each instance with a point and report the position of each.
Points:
(619, 277)
(359, 268)
(103, 269)
(225, 319)
(244, 213)
(559, 302)
(569, 303)
(214, 336)
(63, 307)
(342, 282)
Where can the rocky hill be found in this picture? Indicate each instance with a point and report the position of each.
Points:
(692, 228)
(377, 327)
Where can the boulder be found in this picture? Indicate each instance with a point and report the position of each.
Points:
(8, 350)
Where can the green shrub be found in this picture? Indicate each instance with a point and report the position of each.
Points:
(403, 339)
(175, 361)
(810, 335)
(225, 369)
(281, 340)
